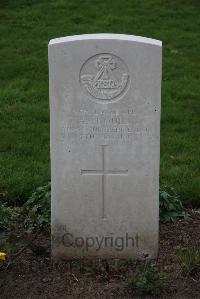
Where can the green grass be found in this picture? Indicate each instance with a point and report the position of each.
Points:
(189, 260)
(26, 26)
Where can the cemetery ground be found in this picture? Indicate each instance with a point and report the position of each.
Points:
(30, 272)
(26, 28)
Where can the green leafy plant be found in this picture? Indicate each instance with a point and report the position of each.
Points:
(38, 208)
(171, 208)
(88, 271)
(148, 280)
(189, 260)
(8, 216)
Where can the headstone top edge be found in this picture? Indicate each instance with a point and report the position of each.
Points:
(106, 36)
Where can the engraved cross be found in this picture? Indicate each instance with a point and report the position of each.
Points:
(104, 172)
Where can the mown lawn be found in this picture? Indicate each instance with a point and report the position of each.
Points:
(26, 26)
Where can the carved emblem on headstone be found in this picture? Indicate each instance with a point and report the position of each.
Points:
(104, 76)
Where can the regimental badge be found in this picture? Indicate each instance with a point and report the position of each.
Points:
(105, 77)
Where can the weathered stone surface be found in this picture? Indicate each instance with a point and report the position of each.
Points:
(105, 94)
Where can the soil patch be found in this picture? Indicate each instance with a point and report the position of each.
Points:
(33, 274)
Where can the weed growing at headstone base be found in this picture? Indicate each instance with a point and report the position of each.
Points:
(171, 208)
(38, 209)
(8, 216)
(189, 260)
(35, 212)
(148, 280)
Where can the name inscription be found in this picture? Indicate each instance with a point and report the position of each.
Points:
(103, 126)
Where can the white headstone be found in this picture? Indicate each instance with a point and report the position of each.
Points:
(105, 92)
